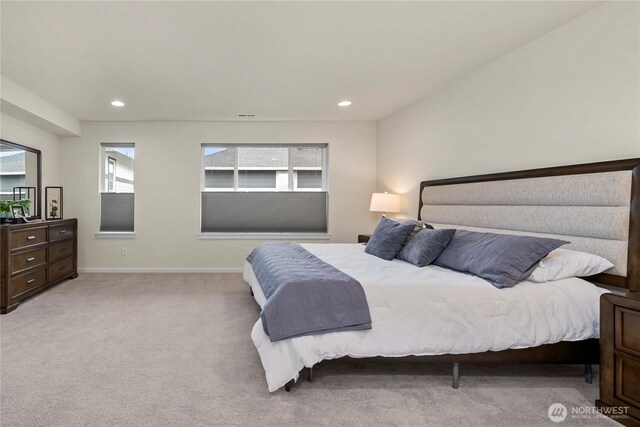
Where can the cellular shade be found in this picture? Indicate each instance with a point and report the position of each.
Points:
(264, 212)
(116, 212)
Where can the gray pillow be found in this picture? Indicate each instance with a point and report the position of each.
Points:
(417, 226)
(502, 259)
(387, 239)
(425, 246)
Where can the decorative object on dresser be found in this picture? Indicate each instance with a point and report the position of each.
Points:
(17, 211)
(22, 194)
(11, 215)
(620, 357)
(363, 238)
(35, 256)
(54, 203)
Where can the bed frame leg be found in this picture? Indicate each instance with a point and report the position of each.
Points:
(310, 377)
(456, 375)
(588, 374)
(287, 386)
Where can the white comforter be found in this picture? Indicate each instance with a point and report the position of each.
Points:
(432, 310)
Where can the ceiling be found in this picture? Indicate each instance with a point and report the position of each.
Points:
(280, 61)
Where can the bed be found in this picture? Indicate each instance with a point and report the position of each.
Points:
(442, 315)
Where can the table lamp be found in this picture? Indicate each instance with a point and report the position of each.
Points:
(385, 203)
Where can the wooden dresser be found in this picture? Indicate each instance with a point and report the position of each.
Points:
(35, 256)
(620, 357)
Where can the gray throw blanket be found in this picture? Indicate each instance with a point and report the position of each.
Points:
(305, 295)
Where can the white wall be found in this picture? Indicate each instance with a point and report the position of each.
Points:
(30, 108)
(570, 96)
(167, 184)
(15, 130)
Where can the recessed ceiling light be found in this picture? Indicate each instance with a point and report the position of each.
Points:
(344, 103)
(117, 103)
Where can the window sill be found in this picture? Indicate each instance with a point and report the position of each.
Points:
(115, 235)
(264, 236)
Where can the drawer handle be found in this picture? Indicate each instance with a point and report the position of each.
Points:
(63, 231)
(31, 237)
(63, 250)
(31, 259)
(30, 281)
(62, 268)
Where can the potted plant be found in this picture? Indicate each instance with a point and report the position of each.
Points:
(54, 208)
(5, 207)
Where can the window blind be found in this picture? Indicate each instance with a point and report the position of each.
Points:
(116, 212)
(264, 212)
(309, 179)
(218, 179)
(257, 179)
(9, 181)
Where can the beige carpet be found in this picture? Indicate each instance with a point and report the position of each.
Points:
(152, 349)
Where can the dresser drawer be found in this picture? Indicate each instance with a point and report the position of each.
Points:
(60, 232)
(60, 268)
(628, 380)
(627, 330)
(27, 237)
(24, 283)
(60, 250)
(29, 259)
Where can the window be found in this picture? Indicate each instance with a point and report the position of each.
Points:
(116, 189)
(307, 168)
(219, 168)
(117, 168)
(285, 186)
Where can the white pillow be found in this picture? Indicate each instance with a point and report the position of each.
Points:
(563, 263)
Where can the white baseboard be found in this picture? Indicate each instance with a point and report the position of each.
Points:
(160, 270)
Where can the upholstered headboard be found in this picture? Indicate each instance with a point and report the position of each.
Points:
(595, 206)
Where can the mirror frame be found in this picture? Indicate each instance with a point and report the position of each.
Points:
(39, 179)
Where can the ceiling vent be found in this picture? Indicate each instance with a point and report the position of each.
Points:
(246, 116)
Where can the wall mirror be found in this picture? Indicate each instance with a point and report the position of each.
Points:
(20, 177)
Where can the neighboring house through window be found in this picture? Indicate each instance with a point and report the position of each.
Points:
(264, 188)
(263, 168)
(111, 174)
(13, 172)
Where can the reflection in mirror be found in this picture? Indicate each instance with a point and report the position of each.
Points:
(19, 178)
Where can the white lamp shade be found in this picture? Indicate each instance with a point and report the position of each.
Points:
(384, 202)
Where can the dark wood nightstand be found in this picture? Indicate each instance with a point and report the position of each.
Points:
(620, 357)
(363, 238)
